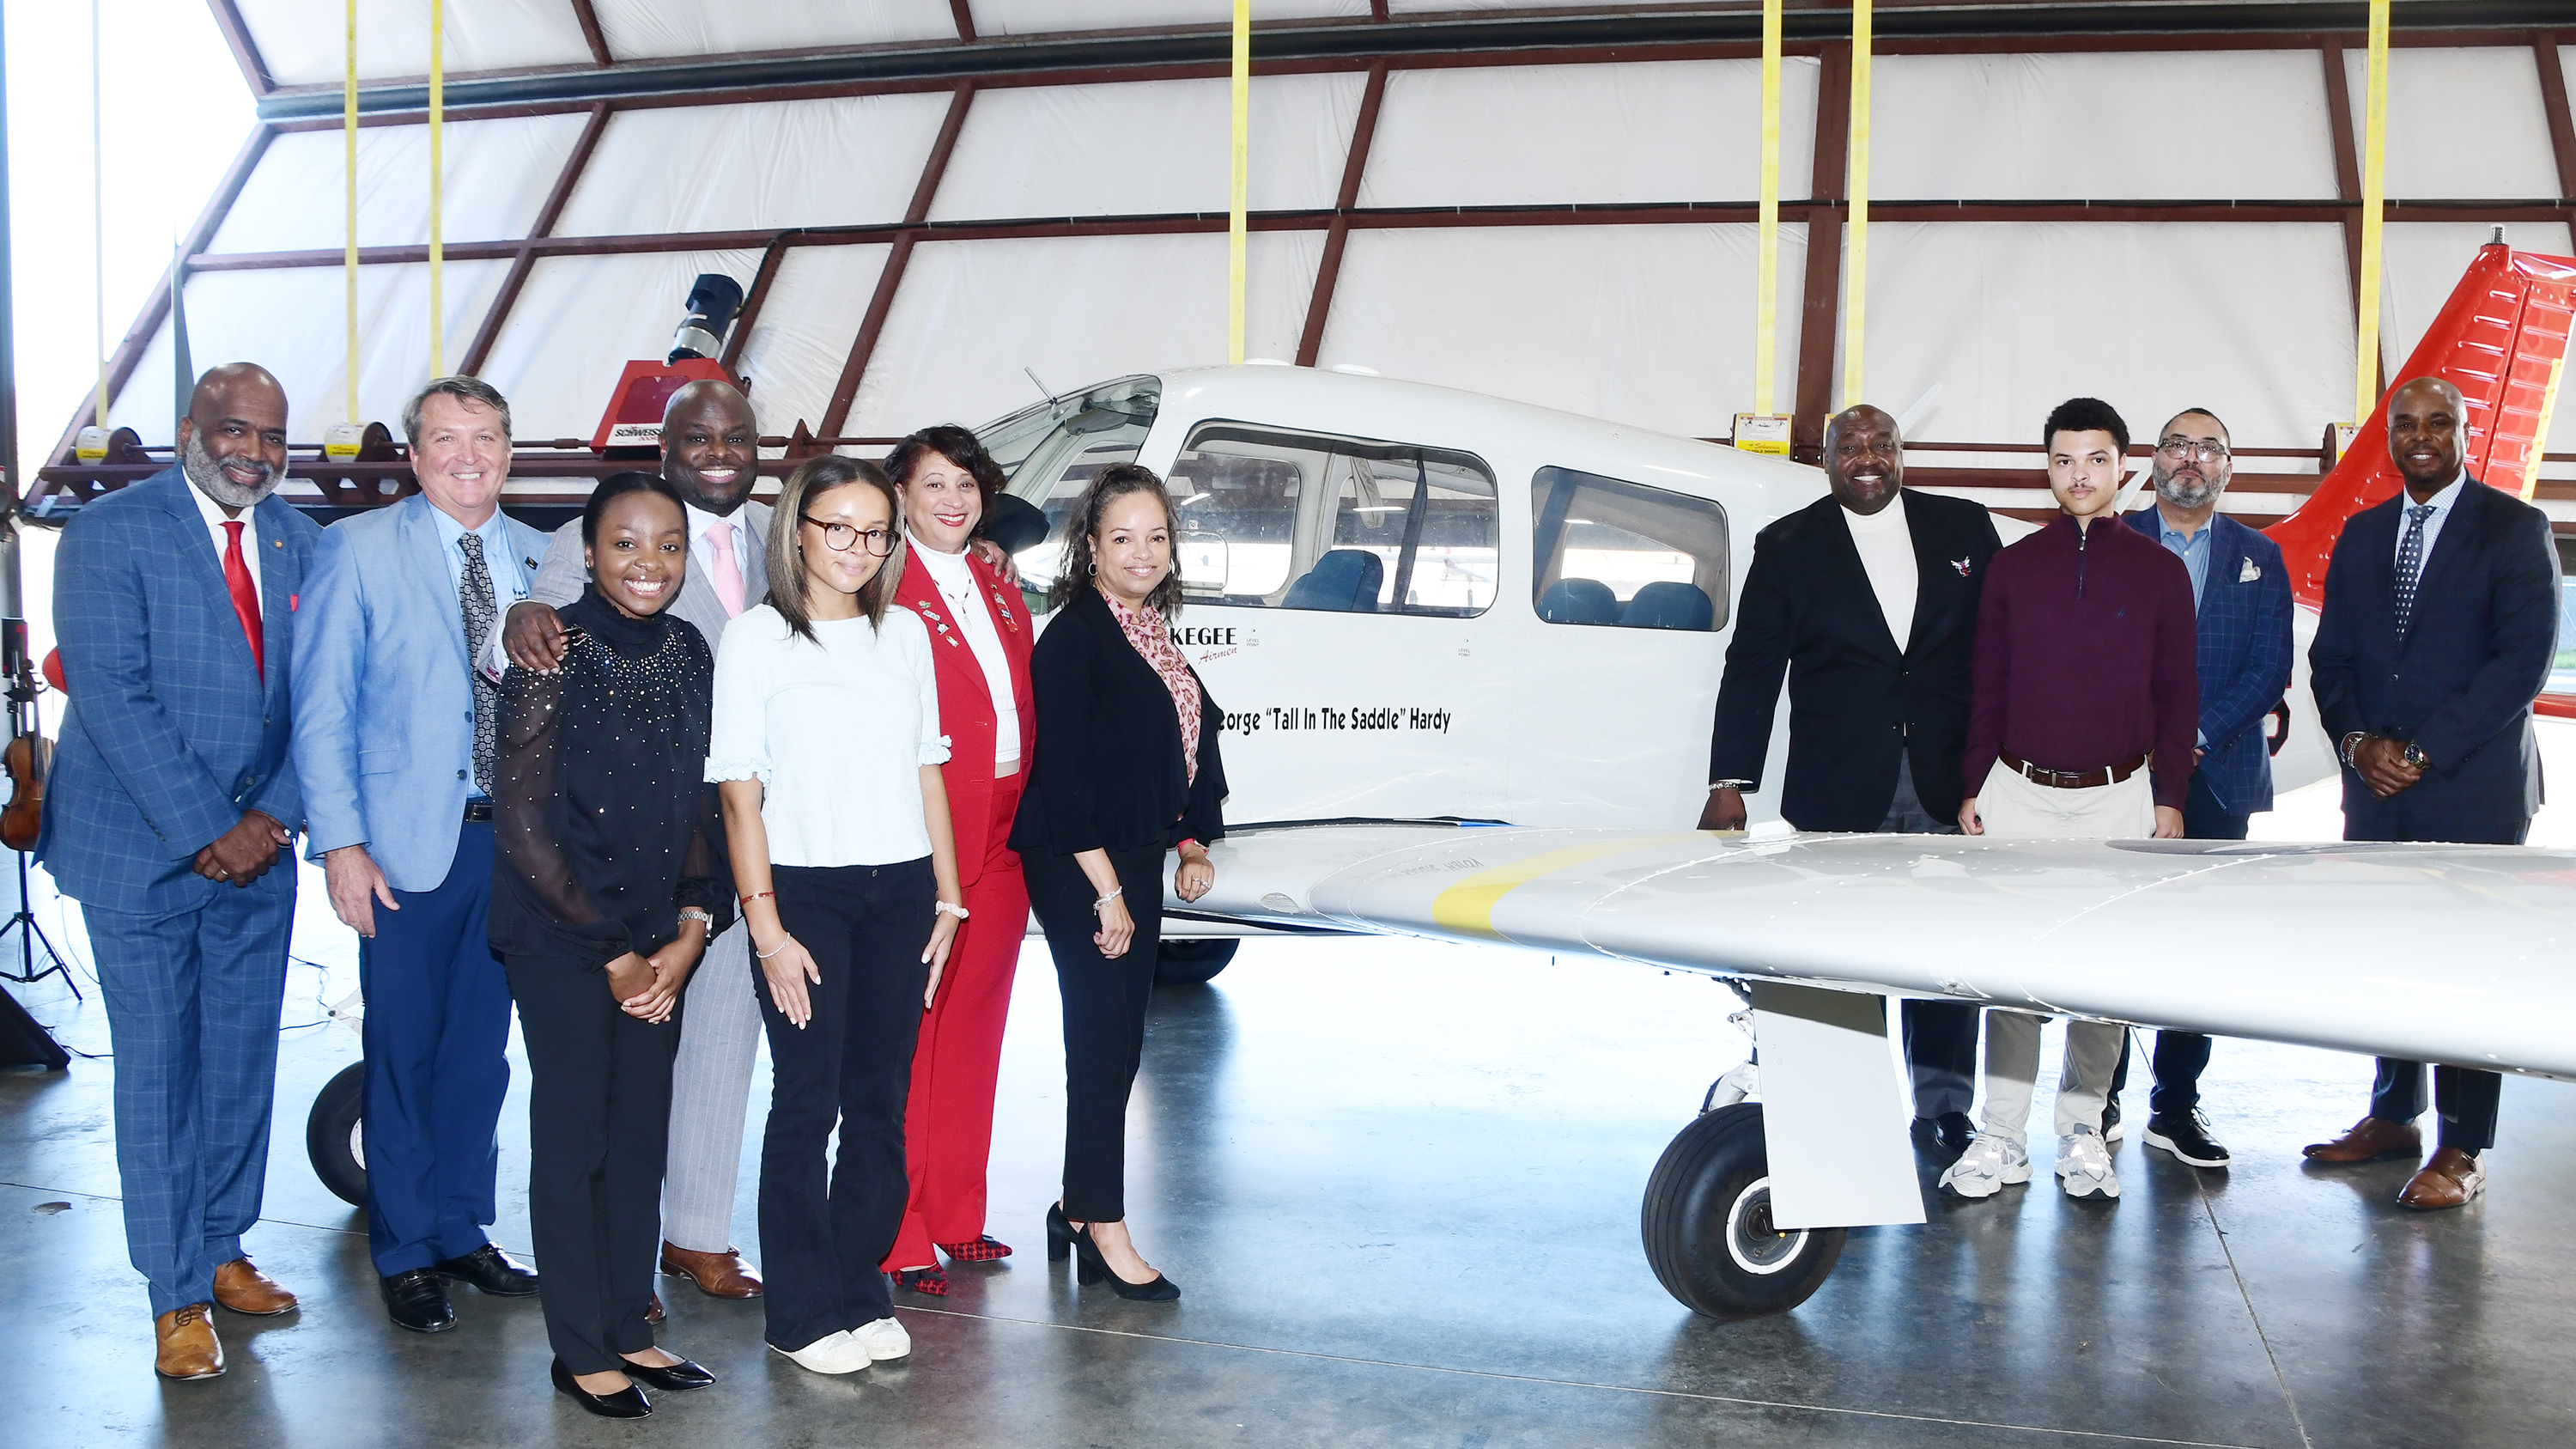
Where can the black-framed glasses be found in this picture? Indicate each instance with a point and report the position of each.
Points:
(839, 537)
(2179, 449)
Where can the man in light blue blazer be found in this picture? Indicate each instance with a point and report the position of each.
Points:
(171, 795)
(394, 741)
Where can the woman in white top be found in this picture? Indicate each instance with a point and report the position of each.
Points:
(826, 748)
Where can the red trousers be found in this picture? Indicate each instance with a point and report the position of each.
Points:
(948, 1119)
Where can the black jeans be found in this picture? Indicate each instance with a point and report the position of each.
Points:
(2181, 1056)
(850, 1065)
(599, 1110)
(1104, 1017)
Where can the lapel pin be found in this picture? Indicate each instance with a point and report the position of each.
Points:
(1961, 565)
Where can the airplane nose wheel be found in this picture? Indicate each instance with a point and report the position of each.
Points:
(1708, 1229)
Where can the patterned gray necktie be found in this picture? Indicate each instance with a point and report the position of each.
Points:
(2410, 564)
(474, 596)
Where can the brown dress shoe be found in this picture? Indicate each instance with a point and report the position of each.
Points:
(244, 1289)
(2450, 1179)
(2369, 1140)
(718, 1275)
(184, 1345)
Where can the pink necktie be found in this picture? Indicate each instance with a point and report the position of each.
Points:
(727, 574)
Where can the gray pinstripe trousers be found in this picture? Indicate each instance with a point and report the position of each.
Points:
(710, 1090)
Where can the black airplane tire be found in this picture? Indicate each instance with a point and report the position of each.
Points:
(331, 1135)
(1707, 1223)
(1192, 963)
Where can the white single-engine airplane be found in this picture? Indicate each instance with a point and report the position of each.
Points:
(1469, 653)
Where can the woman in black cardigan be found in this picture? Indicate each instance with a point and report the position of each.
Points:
(1126, 769)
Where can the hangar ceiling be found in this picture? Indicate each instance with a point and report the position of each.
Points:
(926, 200)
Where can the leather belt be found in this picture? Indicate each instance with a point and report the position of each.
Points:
(478, 812)
(2074, 779)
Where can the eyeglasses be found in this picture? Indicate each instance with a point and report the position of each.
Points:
(840, 536)
(2179, 449)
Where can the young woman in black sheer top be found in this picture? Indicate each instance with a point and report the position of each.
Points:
(610, 879)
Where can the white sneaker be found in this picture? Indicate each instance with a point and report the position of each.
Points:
(883, 1339)
(2084, 1162)
(835, 1353)
(1986, 1167)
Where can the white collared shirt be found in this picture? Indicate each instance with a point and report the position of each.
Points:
(215, 521)
(702, 559)
(956, 581)
(1887, 553)
(2441, 503)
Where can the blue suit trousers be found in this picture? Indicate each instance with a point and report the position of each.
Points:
(438, 1034)
(192, 1006)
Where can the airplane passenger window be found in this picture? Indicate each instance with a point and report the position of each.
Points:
(1620, 555)
(1051, 452)
(1279, 519)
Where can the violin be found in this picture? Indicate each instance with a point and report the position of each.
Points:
(28, 758)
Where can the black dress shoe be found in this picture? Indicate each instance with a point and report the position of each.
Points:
(2111, 1128)
(489, 1270)
(1945, 1137)
(2187, 1137)
(418, 1301)
(670, 1378)
(627, 1403)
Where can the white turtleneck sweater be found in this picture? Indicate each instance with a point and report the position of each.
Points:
(974, 616)
(1887, 552)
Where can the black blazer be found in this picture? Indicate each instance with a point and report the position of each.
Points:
(1854, 702)
(1109, 773)
(2476, 654)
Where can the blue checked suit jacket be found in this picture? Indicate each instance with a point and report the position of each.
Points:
(170, 732)
(2244, 657)
(384, 702)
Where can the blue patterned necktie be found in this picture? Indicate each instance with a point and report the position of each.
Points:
(474, 597)
(2410, 564)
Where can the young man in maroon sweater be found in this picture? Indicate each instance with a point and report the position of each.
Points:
(2085, 713)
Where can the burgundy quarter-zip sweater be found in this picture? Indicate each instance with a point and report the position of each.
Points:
(2085, 648)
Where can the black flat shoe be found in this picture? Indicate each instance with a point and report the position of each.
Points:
(627, 1403)
(670, 1378)
(418, 1301)
(488, 1270)
(1059, 1234)
(1093, 1268)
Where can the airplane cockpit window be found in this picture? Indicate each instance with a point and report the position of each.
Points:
(1052, 451)
(1272, 518)
(1619, 555)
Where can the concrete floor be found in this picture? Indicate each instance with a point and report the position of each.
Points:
(1399, 1183)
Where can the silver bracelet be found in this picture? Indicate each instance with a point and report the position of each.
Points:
(774, 950)
(1104, 900)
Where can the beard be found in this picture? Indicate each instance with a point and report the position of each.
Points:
(199, 464)
(2181, 492)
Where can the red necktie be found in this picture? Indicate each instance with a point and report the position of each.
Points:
(245, 598)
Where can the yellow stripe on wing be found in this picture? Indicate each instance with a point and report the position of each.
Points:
(1469, 905)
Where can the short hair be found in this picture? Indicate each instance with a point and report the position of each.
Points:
(956, 444)
(813, 478)
(2201, 412)
(463, 389)
(1078, 567)
(2085, 415)
(618, 485)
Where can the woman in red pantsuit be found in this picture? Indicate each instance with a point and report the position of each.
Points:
(980, 635)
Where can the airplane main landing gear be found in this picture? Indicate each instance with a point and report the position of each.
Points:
(1707, 1223)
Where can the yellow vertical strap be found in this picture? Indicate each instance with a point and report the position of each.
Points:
(437, 180)
(349, 194)
(1767, 272)
(98, 214)
(1856, 260)
(1236, 228)
(2374, 157)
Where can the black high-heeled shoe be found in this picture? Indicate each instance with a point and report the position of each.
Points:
(1059, 1234)
(670, 1378)
(627, 1403)
(1092, 1268)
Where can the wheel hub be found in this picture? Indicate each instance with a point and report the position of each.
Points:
(1756, 1245)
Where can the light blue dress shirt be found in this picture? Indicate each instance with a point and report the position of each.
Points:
(2194, 553)
(2441, 504)
(509, 574)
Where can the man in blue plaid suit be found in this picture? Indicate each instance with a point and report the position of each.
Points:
(2243, 593)
(171, 796)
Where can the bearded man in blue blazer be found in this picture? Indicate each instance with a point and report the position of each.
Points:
(171, 795)
(395, 732)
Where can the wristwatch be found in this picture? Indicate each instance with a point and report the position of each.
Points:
(703, 918)
(1716, 785)
(2416, 758)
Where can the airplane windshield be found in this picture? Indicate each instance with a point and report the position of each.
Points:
(1052, 451)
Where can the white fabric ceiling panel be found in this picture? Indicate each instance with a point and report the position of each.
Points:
(497, 176)
(1147, 147)
(1644, 132)
(2120, 126)
(650, 29)
(303, 42)
(292, 321)
(580, 320)
(801, 341)
(2461, 123)
(2420, 266)
(853, 160)
(1651, 325)
(1045, 17)
(1075, 310)
(2009, 319)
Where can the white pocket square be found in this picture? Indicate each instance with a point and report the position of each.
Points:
(2249, 573)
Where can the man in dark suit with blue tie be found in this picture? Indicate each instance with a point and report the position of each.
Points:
(2440, 623)
(171, 796)
(2242, 594)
